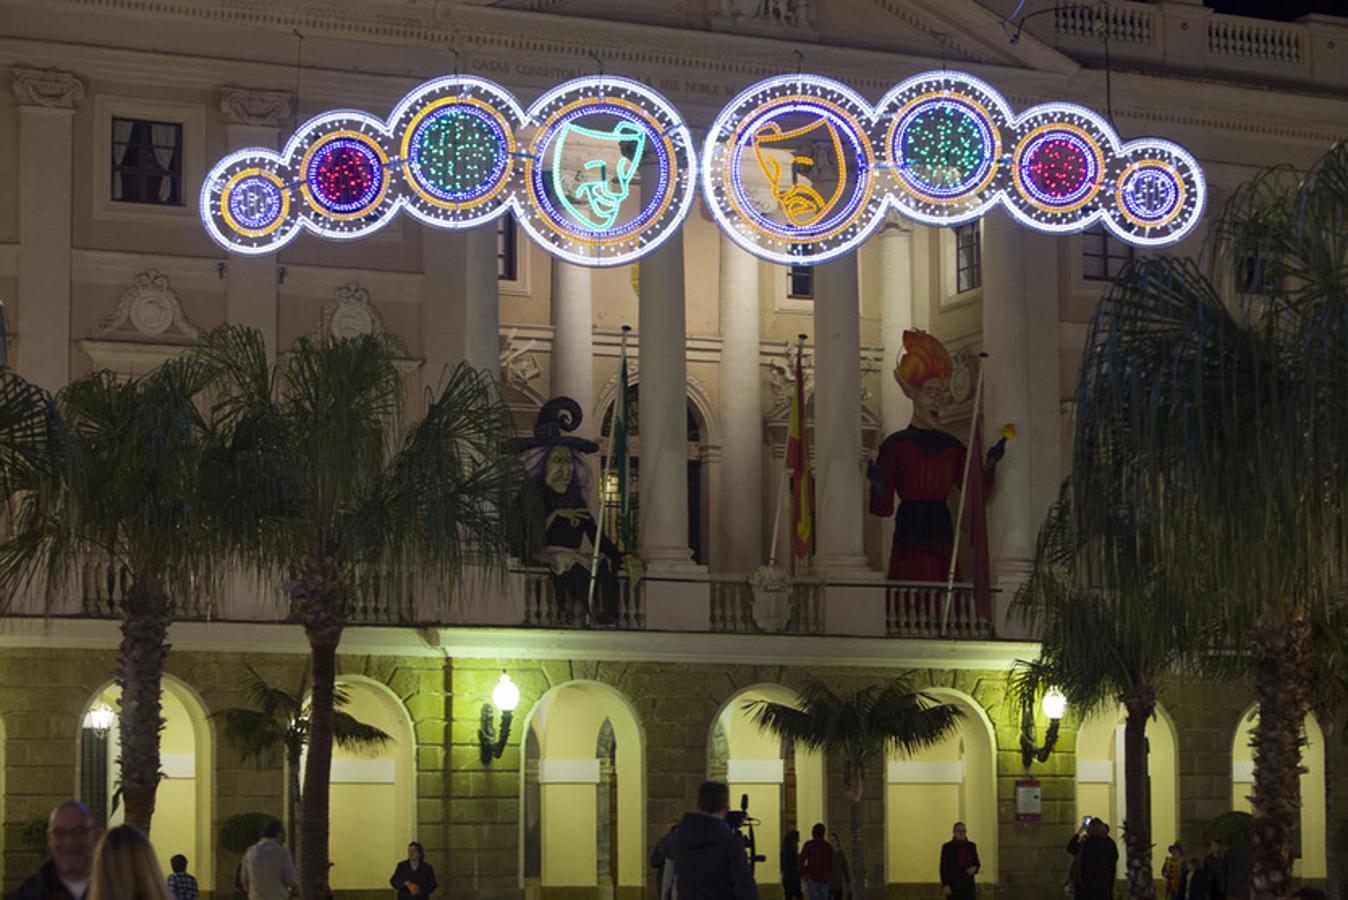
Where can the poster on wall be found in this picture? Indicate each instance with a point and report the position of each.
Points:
(1029, 807)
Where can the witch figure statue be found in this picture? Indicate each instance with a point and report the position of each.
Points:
(559, 478)
(922, 464)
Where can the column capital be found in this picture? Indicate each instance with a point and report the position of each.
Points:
(895, 225)
(52, 88)
(249, 106)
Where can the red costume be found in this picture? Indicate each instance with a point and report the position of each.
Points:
(921, 466)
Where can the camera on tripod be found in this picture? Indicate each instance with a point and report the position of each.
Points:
(742, 824)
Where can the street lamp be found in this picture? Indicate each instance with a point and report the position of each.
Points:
(99, 719)
(1054, 705)
(505, 696)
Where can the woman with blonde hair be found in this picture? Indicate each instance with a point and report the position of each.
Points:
(125, 868)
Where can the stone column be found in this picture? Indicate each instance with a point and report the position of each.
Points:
(1006, 399)
(741, 503)
(47, 100)
(254, 119)
(896, 316)
(573, 341)
(840, 503)
(663, 396)
(460, 313)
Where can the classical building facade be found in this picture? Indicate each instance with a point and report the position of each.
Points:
(119, 108)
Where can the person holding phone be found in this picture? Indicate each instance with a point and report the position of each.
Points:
(1096, 860)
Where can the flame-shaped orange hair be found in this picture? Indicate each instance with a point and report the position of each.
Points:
(924, 358)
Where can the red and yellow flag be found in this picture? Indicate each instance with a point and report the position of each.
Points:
(798, 460)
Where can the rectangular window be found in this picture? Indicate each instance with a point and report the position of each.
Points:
(147, 162)
(800, 283)
(1103, 256)
(507, 256)
(968, 258)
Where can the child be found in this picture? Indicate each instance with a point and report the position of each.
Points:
(181, 885)
(1172, 870)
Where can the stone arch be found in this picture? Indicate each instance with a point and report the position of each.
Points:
(1100, 782)
(562, 779)
(786, 787)
(1309, 860)
(185, 798)
(372, 794)
(929, 791)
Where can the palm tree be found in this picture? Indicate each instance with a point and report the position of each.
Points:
(1329, 704)
(1224, 421)
(30, 428)
(125, 492)
(1102, 647)
(328, 491)
(277, 726)
(859, 727)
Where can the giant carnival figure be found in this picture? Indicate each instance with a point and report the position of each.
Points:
(558, 479)
(922, 464)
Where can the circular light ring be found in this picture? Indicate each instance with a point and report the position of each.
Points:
(944, 111)
(255, 202)
(486, 155)
(245, 203)
(346, 175)
(596, 227)
(831, 223)
(846, 218)
(1058, 168)
(1158, 193)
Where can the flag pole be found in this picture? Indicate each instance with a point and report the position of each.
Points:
(964, 495)
(618, 406)
(786, 466)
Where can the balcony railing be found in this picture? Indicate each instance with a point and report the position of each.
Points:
(525, 597)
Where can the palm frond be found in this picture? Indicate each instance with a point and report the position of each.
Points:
(257, 736)
(353, 734)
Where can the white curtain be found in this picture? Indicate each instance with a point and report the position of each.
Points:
(165, 139)
(121, 137)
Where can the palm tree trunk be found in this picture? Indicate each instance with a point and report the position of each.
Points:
(1282, 689)
(855, 781)
(323, 641)
(293, 801)
(1329, 727)
(1140, 702)
(145, 622)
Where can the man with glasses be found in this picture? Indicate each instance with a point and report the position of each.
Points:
(71, 838)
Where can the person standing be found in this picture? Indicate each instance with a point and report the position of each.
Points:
(662, 861)
(710, 862)
(413, 877)
(840, 886)
(71, 837)
(181, 885)
(1097, 861)
(268, 870)
(816, 864)
(959, 864)
(1172, 871)
(789, 861)
(1215, 867)
(125, 868)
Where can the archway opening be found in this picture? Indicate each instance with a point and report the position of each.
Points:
(926, 793)
(1308, 845)
(584, 792)
(184, 799)
(372, 792)
(1101, 782)
(785, 785)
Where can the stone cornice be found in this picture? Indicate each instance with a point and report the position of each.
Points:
(248, 106)
(53, 88)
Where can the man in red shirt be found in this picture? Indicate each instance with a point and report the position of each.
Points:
(816, 864)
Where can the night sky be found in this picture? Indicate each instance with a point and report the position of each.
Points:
(1285, 10)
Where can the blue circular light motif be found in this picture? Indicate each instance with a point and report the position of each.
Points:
(345, 175)
(433, 181)
(914, 127)
(599, 201)
(255, 202)
(833, 211)
(1150, 193)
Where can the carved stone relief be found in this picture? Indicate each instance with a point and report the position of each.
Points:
(54, 88)
(150, 307)
(350, 314)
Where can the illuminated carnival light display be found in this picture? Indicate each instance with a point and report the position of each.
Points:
(797, 169)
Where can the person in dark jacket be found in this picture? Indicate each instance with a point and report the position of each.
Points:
(710, 862)
(790, 864)
(816, 864)
(1097, 861)
(959, 864)
(414, 879)
(71, 838)
(662, 861)
(1214, 866)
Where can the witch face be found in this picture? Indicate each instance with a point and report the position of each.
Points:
(558, 470)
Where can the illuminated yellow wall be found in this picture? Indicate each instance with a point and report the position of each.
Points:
(1312, 861)
(372, 821)
(1098, 743)
(570, 852)
(919, 816)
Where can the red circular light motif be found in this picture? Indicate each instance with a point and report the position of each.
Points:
(345, 175)
(1059, 167)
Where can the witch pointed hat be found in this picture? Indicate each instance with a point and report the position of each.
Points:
(558, 415)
